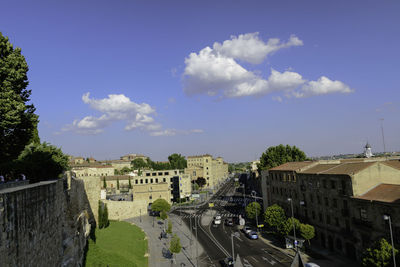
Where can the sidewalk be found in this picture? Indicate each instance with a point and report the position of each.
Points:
(187, 256)
(320, 256)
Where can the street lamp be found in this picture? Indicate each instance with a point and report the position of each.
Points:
(253, 194)
(294, 228)
(235, 234)
(387, 218)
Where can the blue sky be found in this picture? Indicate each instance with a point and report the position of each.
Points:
(228, 78)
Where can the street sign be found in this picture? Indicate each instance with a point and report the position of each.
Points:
(210, 204)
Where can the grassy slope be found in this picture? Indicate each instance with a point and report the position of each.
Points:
(121, 244)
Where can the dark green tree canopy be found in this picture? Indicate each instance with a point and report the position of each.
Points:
(18, 121)
(138, 163)
(175, 245)
(42, 162)
(160, 205)
(379, 255)
(177, 161)
(277, 155)
(201, 181)
(253, 210)
(275, 216)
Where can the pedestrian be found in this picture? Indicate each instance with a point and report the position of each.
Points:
(23, 177)
(1, 179)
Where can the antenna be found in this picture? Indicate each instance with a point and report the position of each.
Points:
(383, 136)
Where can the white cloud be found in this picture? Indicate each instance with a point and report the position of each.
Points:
(250, 48)
(323, 86)
(115, 108)
(216, 72)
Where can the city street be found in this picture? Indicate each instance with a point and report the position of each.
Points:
(217, 241)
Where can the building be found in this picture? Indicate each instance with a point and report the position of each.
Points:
(333, 197)
(215, 171)
(131, 157)
(118, 164)
(83, 170)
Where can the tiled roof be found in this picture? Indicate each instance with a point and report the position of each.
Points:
(200, 156)
(383, 192)
(292, 166)
(340, 168)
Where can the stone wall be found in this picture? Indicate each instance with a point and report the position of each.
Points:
(121, 210)
(31, 223)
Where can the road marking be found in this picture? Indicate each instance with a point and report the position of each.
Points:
(272, 262)
(254, 258)
(237, 245)
(246, 263)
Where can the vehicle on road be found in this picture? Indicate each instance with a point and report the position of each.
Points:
(217, 221)
(229, 222)
(218, 217)
(246, 230)
(252, 235)
(227, 262)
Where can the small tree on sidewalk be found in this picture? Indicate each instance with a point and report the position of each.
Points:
(175, 245)
(169, 229)
(253, 209)
(307, 232)
(379, 255)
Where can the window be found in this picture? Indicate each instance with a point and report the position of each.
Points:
(334, 203)
(328, 219)
(363, 214)
(150, 197)
(318, 200)
(148, 174)
(166, 173)
(151, 180)
(160, 173)
(147, 180)
(326, 202)
(170, 179)
(136, 181)
(320, 216)
(154, 174)
(333, 184)
(324, 183)
(313, 215)
(156, 180)
(141, 181)
(164, 180)
(337, 221)
(312, 198)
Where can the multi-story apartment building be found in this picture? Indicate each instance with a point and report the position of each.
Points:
(82, 170)
(215, 171)
(344, 199)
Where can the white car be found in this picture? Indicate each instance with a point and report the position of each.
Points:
(217, 221)
(218, 217)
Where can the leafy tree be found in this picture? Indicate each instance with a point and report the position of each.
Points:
(116, 172)
(130, 184)
(158, 165)
(175, 244)
(201, 181)
(42, 162)
(379, 255)
(253, 209)
(163, 215)
(287, 226)
(124, 170)
(169, 229)
(307, 232)
(274, 216)
(18, 122)
(138, 164)
(104, 183)
(117, 183)
(277, 155)
(195, 186)
(177, 161)
(160, 205)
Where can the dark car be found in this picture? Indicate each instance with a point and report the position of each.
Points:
(229, 222)
(154, 213)
(227, 262)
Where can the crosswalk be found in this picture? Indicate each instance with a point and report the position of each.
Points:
(224, 215)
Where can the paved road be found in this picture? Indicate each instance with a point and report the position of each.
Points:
(216, 241)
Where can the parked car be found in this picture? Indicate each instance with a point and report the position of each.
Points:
(229, 222)
(246, 229)
(252, 235)
(217, 221)
(227, 262)
(218, 217)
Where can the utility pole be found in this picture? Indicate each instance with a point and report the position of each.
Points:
(387, 218)
(294, 227)
(197, 244)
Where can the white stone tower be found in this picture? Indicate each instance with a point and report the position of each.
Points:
(367, 151)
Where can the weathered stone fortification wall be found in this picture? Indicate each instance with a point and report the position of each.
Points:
(121, 210)
(31, 223)
(47, 223)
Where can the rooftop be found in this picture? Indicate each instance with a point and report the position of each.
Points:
(292, 166)
(346, 168)
(383, 192)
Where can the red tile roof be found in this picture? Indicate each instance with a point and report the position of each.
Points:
(384, 193)
(292, 166)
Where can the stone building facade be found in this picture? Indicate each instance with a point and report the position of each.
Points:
(327, 195)
(87, 170)
(215, 171)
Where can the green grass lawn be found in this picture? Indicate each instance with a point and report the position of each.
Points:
(120, 244)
